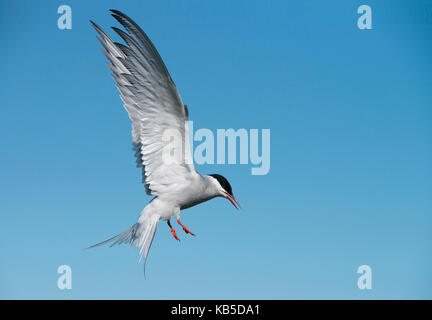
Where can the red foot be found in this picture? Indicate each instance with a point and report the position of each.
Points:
(174, 234)
(184, 228)
(173, 231)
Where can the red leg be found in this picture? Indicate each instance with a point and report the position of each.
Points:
(172, 230)
(184, 228)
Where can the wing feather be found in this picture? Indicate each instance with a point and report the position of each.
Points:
(152, 102)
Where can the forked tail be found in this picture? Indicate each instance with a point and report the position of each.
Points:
(140, 235)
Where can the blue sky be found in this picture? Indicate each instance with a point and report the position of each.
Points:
(351, 153)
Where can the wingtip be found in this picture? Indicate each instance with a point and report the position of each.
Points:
(117, 29)
(121, 17)
(118, 17)
(95, 25)
(115, 11)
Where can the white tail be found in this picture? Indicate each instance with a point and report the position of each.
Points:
(140, 235)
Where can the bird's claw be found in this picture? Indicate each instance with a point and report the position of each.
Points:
(188, 231)
(184, 228)
(174, 234)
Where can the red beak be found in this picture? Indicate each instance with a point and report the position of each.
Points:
(233, 200)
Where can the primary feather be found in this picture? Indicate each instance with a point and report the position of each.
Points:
(152, 101)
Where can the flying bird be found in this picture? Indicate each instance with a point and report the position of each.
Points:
(154, 105)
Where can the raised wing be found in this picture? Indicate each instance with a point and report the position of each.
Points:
(154, 106)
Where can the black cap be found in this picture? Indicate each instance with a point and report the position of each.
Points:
(223, 182)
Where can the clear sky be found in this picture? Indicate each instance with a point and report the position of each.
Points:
(350, 183)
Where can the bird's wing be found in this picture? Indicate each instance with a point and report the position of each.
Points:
(154, 106)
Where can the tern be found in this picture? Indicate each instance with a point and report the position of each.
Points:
(154, 105)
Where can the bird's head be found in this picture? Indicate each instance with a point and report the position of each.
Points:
(224, 189)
